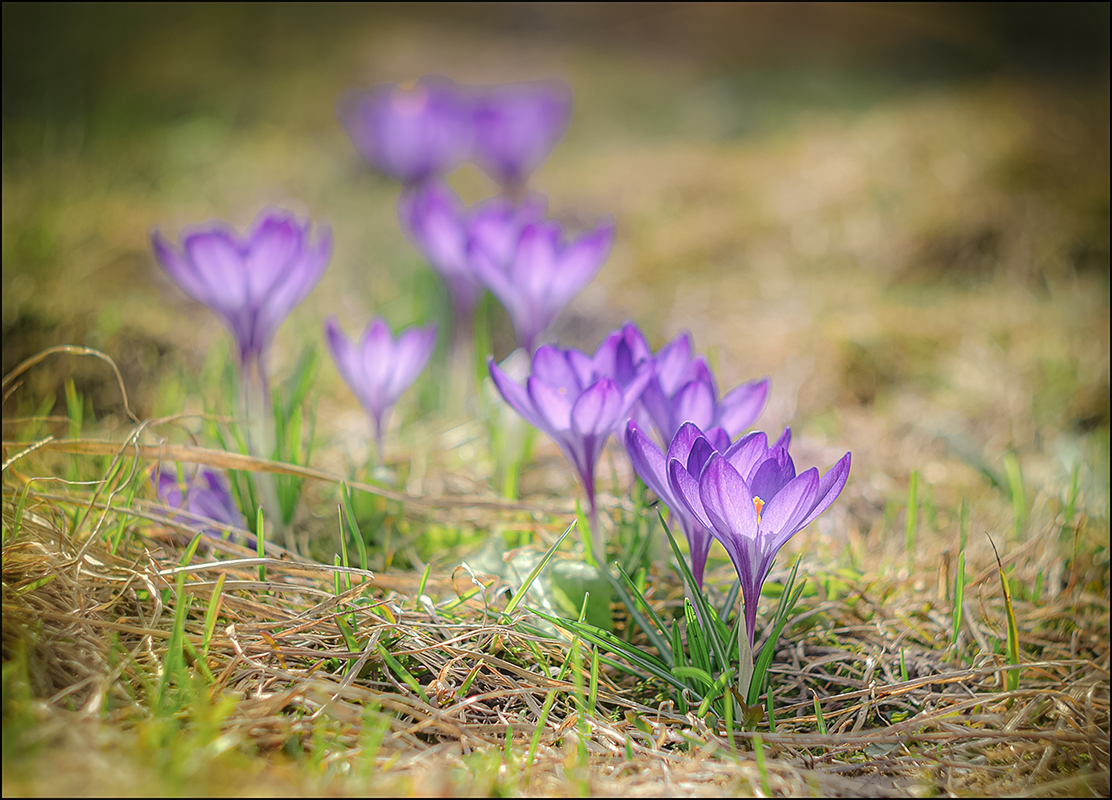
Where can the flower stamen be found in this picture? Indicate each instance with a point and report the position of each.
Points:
(758, 504)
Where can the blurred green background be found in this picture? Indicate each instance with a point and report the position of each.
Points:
(900, 213)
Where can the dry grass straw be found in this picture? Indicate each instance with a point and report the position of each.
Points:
(444, 678)
(94, 629)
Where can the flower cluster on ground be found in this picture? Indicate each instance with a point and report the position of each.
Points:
(689, 443)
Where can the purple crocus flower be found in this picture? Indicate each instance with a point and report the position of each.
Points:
(751, 501)
(411, 131)
(252, 282)
(379, 368)
(541, 273)
(685, 390)
(435, 220)
(208, 496)
(574, 401)
(650, 462)
(516, 127)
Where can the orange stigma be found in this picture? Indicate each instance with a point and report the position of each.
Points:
(758, 504)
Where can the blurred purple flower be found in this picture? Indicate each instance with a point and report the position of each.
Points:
(685, 390)
(540, 274)
(410, 132)
(650, 462)
(516, 127)
(252, 282)
(380, 368)
(208, 497)
(436, 222)
(751, 501)
(575, 399)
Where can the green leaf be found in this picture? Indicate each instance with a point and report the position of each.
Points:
(613, 644)
(627, 592)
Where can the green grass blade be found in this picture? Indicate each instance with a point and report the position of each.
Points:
(213, 611)
(959, 597)
(764, 660)
(696, 645)
(612, 643)
(260, 542)
(717, 689)
(818, 714)
(628, 593)
(519, 595)
(1011, 678)
(694, 673)
(401, 672)
(705, 612)
(353, 526)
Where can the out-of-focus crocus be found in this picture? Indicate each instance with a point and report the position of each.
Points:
(379, 368)
(252, 282)
(690, 447)
(208, 497)
(685, 390)
(410, 131)
(435, 220)
(516, 127)
(541, 274)
(752, 501)
(576, 405)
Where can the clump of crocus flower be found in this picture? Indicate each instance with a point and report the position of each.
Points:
(575, 399)
(207, 496)
(749, 498)
(410, 131)
(651, 464)
(516, 127)
(439, 225)
(541, 273)
(252, 283)
(684, 390)
(380, 368)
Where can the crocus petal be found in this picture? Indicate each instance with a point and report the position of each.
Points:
(648, 462)
(516, 396)
(685, 487)
(719, 439)
(742, 405)
(694, 402)
(782, 515)
(729, 507)
(218, 264)
(671, 361)
(747, 452)
(772, 474)
(581, 262)
(346, 356)
(700, 455)
(598, 409)
(517, 125)
(274, 246)
(830, 486)
(550, 364)
(414, 349)
(785, 439)
(179, 269)
(289, 290)
(168, 490)
(727, 499)
(552, 405)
